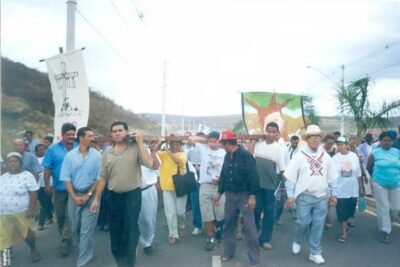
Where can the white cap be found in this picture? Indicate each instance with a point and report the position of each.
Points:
(342, 139)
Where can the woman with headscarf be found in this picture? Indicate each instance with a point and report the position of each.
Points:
(18, 198)
(384, 166)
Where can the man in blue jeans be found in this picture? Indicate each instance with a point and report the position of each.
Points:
(311, 181)
(270, 161)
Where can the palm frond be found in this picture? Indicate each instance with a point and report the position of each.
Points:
(310, 111)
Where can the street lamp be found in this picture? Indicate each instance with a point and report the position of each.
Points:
(340, 86)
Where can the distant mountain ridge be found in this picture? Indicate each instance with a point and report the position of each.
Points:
(329, 124)
(27, 103)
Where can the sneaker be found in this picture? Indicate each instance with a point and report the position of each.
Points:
(210, 244)
(172, 241)
(267, 246)
(65, 249)
(148, 250)
(296, 248)
(196, 231)
(384, 237)
(279, 222)
(49, 221)
(317, 259)
(40, 227)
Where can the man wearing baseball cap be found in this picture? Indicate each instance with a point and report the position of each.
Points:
(239, 182)
(311, 182)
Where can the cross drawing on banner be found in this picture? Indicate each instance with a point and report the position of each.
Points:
(315, 165)
(66, 80)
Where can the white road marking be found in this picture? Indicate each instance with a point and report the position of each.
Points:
(216, 261)
(374, 214)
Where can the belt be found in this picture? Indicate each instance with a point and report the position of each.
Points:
(82, 191)
(147, 187)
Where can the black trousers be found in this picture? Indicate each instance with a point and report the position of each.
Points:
(104, 214)
(124, 228)
(46, 206)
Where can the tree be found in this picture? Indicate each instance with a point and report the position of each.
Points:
(311, 115)
(354, 102)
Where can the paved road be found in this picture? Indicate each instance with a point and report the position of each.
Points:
(362, 249)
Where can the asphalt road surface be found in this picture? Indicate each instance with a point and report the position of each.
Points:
(361, 249)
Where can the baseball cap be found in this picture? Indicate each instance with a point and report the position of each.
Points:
(227, 135)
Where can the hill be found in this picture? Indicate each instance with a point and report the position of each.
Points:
(27, 103)
(222, 122)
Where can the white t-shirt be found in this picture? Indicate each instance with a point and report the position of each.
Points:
(149, 176)
(274, 152)
(311, 172)
(348, 170)
(369, 149)
(14, 192)
(41, 176)
(211, 162)
(270, 160)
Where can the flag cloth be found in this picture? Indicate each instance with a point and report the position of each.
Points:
(260, 108)
(70, 90)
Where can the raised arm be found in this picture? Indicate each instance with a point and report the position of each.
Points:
(145, 157)
(153, 151)
(197, 139)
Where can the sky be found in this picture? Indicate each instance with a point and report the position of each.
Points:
(214, 49)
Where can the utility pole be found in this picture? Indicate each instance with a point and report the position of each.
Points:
(164, 87)
(342, 112)
(71, 10)
(183, 118)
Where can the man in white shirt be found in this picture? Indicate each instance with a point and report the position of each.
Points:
(293, 147)
(270, 161)
(212, 159)
(311, 181)
(365, 148)
(148, 211)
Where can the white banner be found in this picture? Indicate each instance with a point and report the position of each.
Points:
(70, 90)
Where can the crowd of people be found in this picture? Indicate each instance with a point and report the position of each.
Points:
(117, 187)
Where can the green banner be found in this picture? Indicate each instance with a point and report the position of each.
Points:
(260, 108)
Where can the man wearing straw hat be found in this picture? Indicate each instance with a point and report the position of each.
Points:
(311, 183)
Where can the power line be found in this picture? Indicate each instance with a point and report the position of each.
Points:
(380, 69)
(101, 36)
(372, 54)
(119, 13)
(138, 11)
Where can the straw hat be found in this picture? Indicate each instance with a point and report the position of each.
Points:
(313, 130)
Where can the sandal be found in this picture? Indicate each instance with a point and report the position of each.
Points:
(328, 226)
(342, 239)
(351, 224)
